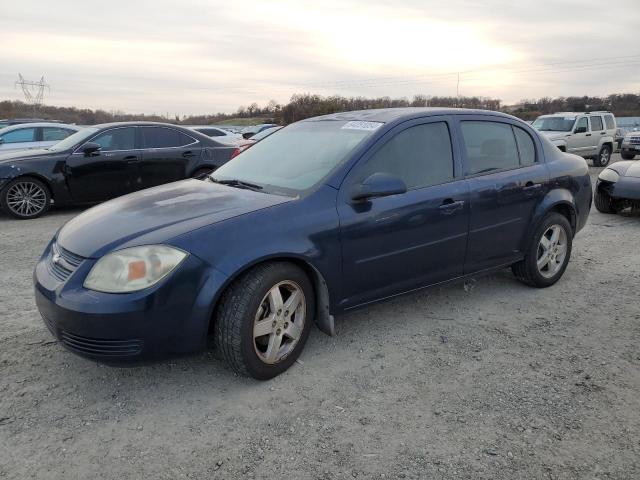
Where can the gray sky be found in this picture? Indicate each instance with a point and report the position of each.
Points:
(198, 56)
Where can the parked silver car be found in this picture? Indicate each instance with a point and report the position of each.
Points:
(630, 146)
(34, 135)
(588, 134)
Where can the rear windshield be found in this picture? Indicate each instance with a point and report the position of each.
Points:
(554, 124)
(297, 157)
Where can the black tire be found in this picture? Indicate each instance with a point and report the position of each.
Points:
(201, 172)
(34, 189)
(604, 203)
(527, 269)
(627, 156)
(236, 312)
(603, 157)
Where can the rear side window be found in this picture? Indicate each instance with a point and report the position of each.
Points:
(489, 146)
(20, 136)
(211, 132)
(160, 137)
(421, 156)
(526, 147)
(611, 124)
(55, 134)
(117, 139)
(596, 123)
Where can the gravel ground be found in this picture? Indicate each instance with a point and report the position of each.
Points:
(495, 380)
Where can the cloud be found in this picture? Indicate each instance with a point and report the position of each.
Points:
(201, 56)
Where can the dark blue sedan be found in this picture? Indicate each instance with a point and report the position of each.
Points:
(327, 215)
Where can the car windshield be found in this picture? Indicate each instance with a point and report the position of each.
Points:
(72, 140)
(554, 124)
(298, 157)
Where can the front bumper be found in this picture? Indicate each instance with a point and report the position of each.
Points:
(170, 318)
(626, 188)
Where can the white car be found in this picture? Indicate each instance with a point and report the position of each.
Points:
(27, 136)
(216, 132)
(588, 134)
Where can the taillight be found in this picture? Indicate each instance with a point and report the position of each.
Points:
(239, 150)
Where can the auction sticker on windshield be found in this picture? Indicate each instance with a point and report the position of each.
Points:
(359, 125)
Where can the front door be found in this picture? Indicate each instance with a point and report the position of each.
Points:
(580, 143)
(397, 243)
(108, 173)
(168, 155)
(507, 179)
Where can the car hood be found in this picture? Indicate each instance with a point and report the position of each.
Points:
(554, 135)
(633, 170)
(12, 157)
(158, 214)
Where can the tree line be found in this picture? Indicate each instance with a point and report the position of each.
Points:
(307, 105)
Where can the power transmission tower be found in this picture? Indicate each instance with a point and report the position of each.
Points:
(33, 91)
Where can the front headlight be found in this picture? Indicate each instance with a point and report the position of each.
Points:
(609, 175)
(133, 269)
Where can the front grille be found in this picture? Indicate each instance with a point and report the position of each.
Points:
(66, 262)
(634, 140)
(101, 347)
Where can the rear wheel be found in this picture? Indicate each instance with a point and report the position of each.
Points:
(603, 157)
(263, 320)
(627, 156)
(549, 253)
(605, 204)
(25, 198)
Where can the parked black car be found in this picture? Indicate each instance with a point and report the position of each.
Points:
(618, 187)
(103, 162)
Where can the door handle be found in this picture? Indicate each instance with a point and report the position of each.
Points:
(603, 133)
(531, 187)
(587, 135)
(450, 205)
(132, 159)
(188, 154)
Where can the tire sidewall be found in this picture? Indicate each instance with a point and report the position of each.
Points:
(256, 367)
(597, 160)
(532, 256)
(5, 192)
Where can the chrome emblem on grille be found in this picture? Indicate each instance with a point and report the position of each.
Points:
(56, 258)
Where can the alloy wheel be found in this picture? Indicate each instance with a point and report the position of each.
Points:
(552, 251)
(26, 199)
(279, 322)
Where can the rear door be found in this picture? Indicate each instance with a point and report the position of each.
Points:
(598, 130)
(168, 155)
(400, 242)
(108, 173)
(19, 139)
(507, 179)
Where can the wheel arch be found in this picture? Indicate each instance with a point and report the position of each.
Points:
(324, 318)
(558, 201)
(37, 176)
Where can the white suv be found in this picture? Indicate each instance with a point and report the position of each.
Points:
(590, 135)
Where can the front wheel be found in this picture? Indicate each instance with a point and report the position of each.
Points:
(549, 253)
(25, 198)
(263, 320)
(604, 203)
(602, 160)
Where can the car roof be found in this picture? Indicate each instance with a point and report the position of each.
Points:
(136, 124)
(386, 115)
(39, 124)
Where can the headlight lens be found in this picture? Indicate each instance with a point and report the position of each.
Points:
(609, 175)
(133, 269)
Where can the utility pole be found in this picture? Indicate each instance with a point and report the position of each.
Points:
(33, 91)
(458, 91)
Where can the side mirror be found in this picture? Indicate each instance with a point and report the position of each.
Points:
(580, 130)
(90, 149)
(378, 185)
(247, 135)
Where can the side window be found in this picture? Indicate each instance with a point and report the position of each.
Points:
(20, 136)
(611, 124)
(421, 156)
(160, 137)
(596, 123)
(489, 146)
(55, 134)
(582, 123)
(117, 139)
(526, 147)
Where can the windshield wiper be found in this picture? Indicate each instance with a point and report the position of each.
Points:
(233, 182)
